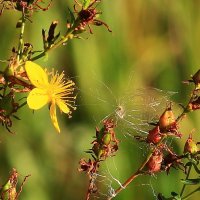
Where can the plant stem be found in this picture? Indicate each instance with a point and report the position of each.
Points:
(91, 185)
(183, 188)
(182, 115)
(137, 173)
(178, 120)
(60, 42)
(126, 183)
(191, 193)
(20, 44)
(132, 177)
(185, 108)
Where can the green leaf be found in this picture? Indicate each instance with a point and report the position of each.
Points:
(6, 186)
(176, 196)
(72, 18)
(191, 181)
(86, 3)
(196, 168)
(188, 164)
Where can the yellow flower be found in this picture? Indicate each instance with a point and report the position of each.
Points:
(55, 92)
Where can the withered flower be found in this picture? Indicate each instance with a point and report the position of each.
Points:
(155, 161)
(172, 160)
(88, 166)
(154, 135)
(88, 16)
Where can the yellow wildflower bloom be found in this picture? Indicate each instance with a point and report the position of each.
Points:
(57, 91)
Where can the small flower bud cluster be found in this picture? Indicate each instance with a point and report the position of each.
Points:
(86, 16)
(9, 189)
(105, 145)
(23, 5)
(163, 158)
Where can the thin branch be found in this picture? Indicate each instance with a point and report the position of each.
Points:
(137, 173)
(60, 42)
(191, 193)
(20, 43)
(183, 188)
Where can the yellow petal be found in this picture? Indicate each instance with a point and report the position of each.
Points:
(36, 74)
(54, 117)
(37, 98)
(63, 107)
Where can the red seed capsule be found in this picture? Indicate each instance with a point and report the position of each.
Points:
(154, 135)
(154, 163)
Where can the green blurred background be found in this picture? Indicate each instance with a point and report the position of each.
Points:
(153, 44)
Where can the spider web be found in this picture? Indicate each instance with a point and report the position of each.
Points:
(133, 110)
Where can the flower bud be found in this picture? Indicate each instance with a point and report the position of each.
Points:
(9, 71)
(8, 191)
(190, 146)
(106, 138)
(167, 119)
(98, 150)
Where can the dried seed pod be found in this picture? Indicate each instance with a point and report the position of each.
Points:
(154, 163)
(154, 135)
